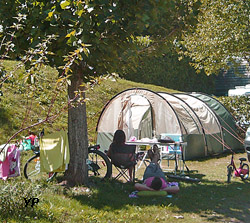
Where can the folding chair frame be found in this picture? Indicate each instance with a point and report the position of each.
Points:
(123, 168)
(123, 172)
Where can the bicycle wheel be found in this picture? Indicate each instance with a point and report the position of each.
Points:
(229, 173)
(98, 164)
(32, 170)
(244, 171)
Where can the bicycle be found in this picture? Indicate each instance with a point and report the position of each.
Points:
(242, 171)
(97, 162)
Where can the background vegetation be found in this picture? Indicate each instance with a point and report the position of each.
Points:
(170, 72)
(239, 106)
(24, 103)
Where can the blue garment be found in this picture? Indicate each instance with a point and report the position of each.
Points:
(153, 170)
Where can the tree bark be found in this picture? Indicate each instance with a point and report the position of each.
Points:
(77, 173)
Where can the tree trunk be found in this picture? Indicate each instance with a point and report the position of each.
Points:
(77, 173)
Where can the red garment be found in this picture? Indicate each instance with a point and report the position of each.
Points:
(32, 138)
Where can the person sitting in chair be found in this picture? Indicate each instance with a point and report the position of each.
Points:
(154, 179)
(119, 141)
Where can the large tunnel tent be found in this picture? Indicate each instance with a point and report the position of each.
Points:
(140, 113)
(195, 136)
(146, 114)
(210, 123)
(227, 121)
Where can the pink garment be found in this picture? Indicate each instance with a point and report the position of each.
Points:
(11, 166)
(149, 180)
(4, 169)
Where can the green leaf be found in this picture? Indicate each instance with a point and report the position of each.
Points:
(71, 34)
(64, 4)
(50, 14)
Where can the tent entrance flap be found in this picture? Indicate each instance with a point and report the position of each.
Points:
(136, 117)
(145, 128)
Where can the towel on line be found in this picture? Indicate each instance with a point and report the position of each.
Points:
(54, 152)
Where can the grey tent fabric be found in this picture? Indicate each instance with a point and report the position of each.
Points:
(210, 123)
(195, 136)
(142, 113)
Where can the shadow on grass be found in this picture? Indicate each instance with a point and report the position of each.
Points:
(217, 201)
(213, 200)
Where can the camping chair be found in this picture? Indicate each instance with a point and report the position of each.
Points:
(171, 152)
(123, 159)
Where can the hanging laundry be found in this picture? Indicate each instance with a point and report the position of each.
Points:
(32, 138)
(54, 152)
(3, 151)
(10, 167)
(14, 162)
(29, 143)
(26, 144)
(4, 163)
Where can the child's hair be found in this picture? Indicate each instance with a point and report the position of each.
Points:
(119, 137)
(156, 183)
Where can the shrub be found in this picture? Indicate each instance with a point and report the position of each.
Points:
(12, 202)
(239, 106)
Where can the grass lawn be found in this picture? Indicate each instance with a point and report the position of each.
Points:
(211, 200)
